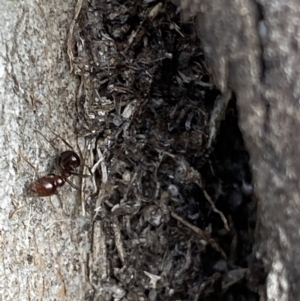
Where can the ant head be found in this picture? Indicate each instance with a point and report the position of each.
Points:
(68, 160)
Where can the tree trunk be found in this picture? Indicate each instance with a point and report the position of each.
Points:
(43, 244)
(253, 50)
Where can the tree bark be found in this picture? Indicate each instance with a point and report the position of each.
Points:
(253, 50)
(43, 245)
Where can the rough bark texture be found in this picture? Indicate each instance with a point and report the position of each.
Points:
(43, 245)
(253, 50)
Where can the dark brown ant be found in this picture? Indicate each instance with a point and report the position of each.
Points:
(47, 185)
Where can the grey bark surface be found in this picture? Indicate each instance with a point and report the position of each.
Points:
(253, 50)
(43, 245)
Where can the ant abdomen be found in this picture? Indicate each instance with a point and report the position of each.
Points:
(47, 185)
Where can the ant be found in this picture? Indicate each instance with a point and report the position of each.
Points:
(47, 185)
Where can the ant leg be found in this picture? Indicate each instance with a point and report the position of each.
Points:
(16, 209)
(74, 173)
(72, 184)
(60, 201)
(28, 192)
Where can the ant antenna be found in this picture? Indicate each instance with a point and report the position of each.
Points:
(47, 140)
(63, 140)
